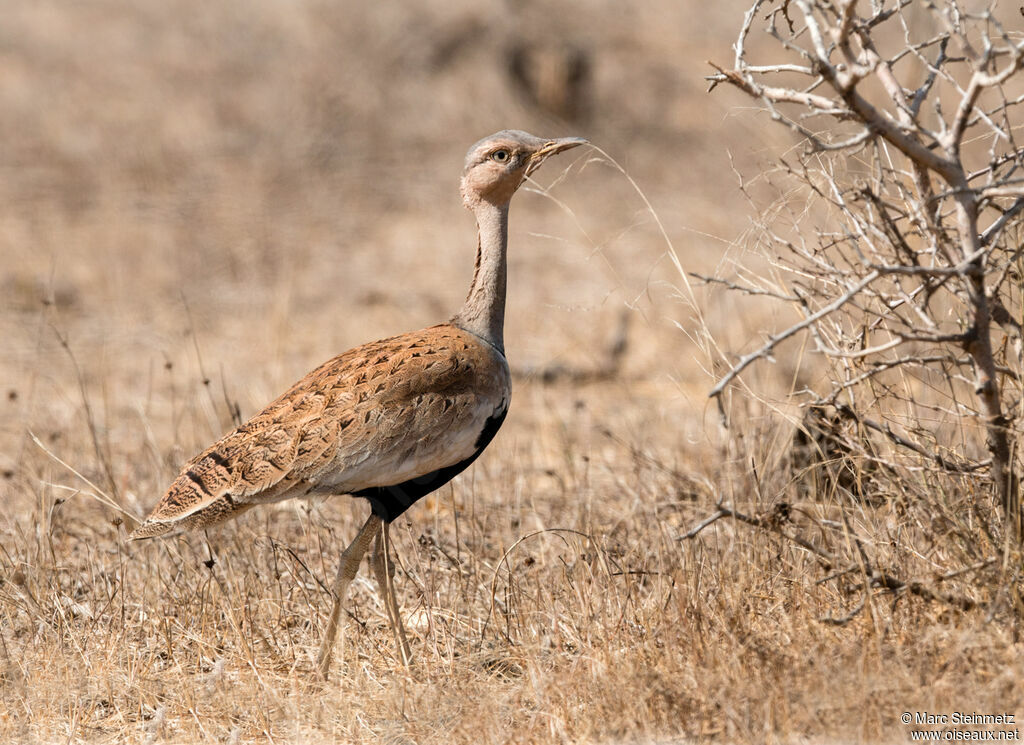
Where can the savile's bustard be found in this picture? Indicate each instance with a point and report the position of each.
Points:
(389, 421)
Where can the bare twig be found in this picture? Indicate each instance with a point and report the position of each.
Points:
(899, 261)
(775, 340)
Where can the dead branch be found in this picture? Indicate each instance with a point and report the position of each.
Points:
(775, 340)
(775, 522)
(901, 254)
(745, 289)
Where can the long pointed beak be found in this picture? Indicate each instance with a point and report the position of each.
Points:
(552, 147)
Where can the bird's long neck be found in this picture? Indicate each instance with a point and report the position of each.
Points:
(483, 313)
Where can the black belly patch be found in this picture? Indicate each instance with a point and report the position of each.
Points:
(388, 502)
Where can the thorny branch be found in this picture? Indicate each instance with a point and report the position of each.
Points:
(917, 211)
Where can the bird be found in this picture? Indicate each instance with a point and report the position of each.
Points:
(389, 421)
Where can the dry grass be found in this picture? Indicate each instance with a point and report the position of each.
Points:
(206, 200)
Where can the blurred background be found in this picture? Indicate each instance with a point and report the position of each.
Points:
(233, 192)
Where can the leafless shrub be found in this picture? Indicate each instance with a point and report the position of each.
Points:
(896, 238)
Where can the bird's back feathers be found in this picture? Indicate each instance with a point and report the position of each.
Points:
(380, 414)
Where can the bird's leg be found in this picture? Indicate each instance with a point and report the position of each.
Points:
(384, 568)
(347, 569)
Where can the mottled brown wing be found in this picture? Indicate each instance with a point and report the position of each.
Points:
(377, 415)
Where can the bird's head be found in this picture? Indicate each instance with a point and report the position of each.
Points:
(497, 165)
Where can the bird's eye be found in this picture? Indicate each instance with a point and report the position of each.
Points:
(501, 156)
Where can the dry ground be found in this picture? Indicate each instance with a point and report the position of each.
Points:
(199, 202)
